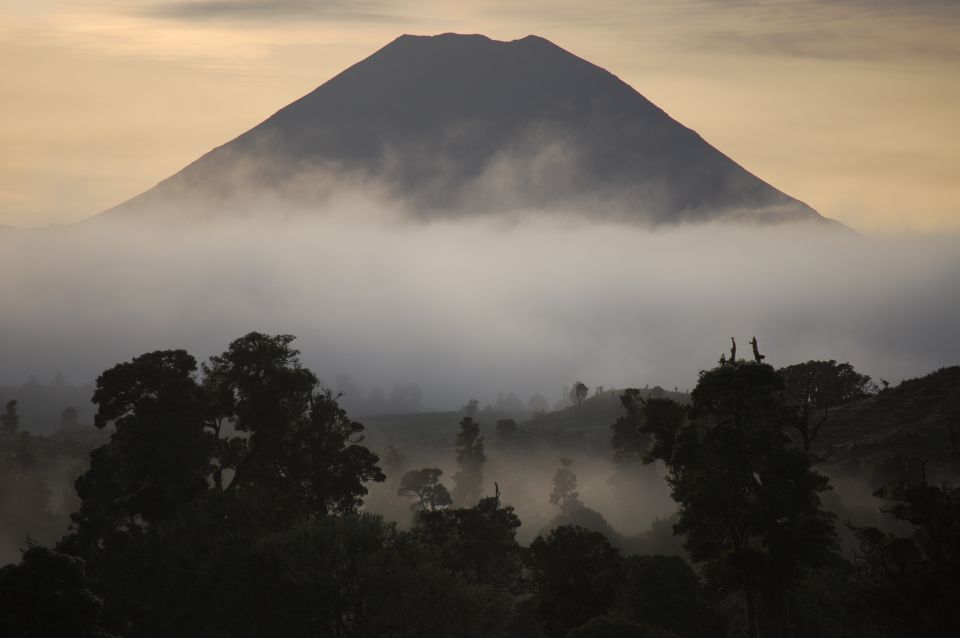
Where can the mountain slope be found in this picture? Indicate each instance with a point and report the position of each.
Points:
(459, 124)
(915, 418)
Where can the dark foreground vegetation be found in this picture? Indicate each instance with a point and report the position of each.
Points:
(229, 501)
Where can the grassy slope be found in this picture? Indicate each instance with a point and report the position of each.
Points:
(912, 418)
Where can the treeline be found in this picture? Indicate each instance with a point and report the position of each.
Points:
(54, 406)
(229, 502)
(36, 474)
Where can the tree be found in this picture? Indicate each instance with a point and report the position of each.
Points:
(629, 442)
(578, 393)
(564, 492)
(158, 456)
(647, 431)
(615, 626)
(171, 502)
(406, 590)
(909, 584)
(664, 592)
(425, 485)
(324, 463)
(260, 386)
(47, 596)
(507, 430)
(953, 427)
(749, 501)
(477, 543)
(301, 581)
(394, 462)
(471, 408)
(468, 481)
(816, 387)
(302, 450)
(10, 419)
(574, 573)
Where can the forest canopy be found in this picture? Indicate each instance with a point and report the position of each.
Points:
(230, 500)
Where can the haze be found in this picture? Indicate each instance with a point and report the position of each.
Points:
(469, 308)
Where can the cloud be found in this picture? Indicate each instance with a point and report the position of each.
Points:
(856, 43)
(858, 30)
(477, 306)
(270, 10)
(904, 6)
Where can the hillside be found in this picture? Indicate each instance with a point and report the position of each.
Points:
(913, 419)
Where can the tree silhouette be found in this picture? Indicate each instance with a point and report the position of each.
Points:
(10, 419)
(260, 386)
(816, 387)
(911, 583)
(629, 442)
(298, 452)
(410, 588)
(477, 543)
(47, 596)
(471, 408)
(507, 430)
(578, 393)
(468, 481)
(158, 456)
(301, 448)
(228, 502)
(324, 464)
(749, 502)
(394, 462)
(425, 485)
(575, 573)
(168, 503)
(664, 592)
(564, 492)
(648, 429)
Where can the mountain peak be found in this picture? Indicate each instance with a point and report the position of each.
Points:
(451, 124)
(474, 44)
(450, 37)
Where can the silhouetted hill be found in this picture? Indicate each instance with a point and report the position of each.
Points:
(586, 428)
(460, 124)
(913, 419)
(596, 413)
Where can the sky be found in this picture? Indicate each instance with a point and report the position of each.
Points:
(848, 105)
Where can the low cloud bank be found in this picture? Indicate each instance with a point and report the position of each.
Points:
(477, 306)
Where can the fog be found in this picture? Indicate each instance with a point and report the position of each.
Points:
(474, 307)
(629, 499)
(469, 308)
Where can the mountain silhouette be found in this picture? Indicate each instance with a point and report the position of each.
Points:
(452, 124)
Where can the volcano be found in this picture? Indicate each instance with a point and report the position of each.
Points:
(454, 125)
